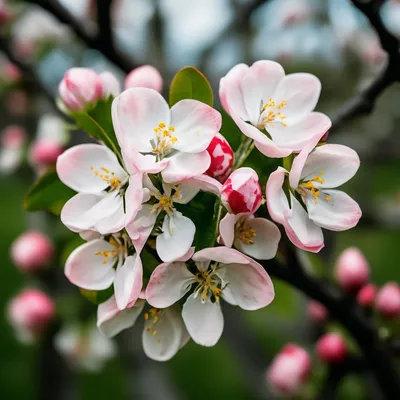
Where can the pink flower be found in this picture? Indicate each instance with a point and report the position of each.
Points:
(11, 72)
(218, 273)
(311, 178)
(366, 295)
(30, 313)
(331, 348)
(317, 312)
(158, 139)
(45, 152)
(241, 193)
(352, 269)
(256, 237)
(32, 251)
(164, 332)
(289, 370)
(274, 110)
(387, 300)
(145, 76)
(221, 155)
(13, 140)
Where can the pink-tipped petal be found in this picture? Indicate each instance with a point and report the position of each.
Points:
(145, 76)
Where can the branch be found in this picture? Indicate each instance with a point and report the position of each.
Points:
(104, 25)
(364, 102)
(92, 41)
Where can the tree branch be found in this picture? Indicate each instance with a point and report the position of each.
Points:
(364, 102)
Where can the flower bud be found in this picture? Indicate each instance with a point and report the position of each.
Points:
(144, 76)
(388, 300)
(11, 73)
(30, 312)
(32, 251)
(331, 348)
(44, 152)
(366, 295)
(242, 192)
(317, 312)
(110, 85)
(352, 269)
(13, 136)
(221, 154)
(80, 87)
(289, 370)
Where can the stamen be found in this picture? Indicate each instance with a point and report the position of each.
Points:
(273, 114)
(246, 234)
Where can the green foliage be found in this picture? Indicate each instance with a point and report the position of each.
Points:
(190, 83)
(48, 193)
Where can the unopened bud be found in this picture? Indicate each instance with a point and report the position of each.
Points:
(110, 85)
(32, 251)
(144, 76)
(331, 348)
(241, 193)
(44, 152)
(13, 136)
(352, 269)
(317, 312)
(221, 154)
(289, 370)
(388, 300)
(366, 295)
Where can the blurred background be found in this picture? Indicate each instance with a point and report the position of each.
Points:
(329, 38)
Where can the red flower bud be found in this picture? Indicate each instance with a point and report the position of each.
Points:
(366, 295)
(317, 312)
(331, 348)
(221, 154)
(388, 300)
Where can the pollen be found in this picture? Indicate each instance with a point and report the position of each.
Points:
(165, 139)
(164, 204)
(246, 234)
(108, 177)
(271, 113)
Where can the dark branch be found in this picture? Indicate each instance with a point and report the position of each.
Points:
(92, 41)
(104, 26)
(364, 102)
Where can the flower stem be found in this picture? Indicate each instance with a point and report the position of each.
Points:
(243, 151)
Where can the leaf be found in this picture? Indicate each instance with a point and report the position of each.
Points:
(97, 296)
(97, 122)
(190, 83)
(48, 193)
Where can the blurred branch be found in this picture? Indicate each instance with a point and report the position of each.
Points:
(364, 102)
(350, 315)
(93, 41)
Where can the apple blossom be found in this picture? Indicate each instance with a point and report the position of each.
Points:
(84, 347)
(331, 348)
(387, 301)
(13, 139)
(241, 193)
(30, 313)
(366, 295)
(274, 110)
(52, 128)
(222, 156)
(164, 332)
(317, 312)
(157, 139)
(352, 269)
(98, 264)
(44, 152)
(289, 370)
(109, 85)
(311, 203)
(108, 197)
(256, 237)
(217, 273)
(145, 76)
(32, 251)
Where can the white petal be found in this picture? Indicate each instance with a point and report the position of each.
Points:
(177, 237)
(339, 213)
(265, 242)
(85, 167)
(163, 338)
(135, 113)
(87, 268)
(227, 228)
(128, 282)
(184, 166)
(168, 283)
(111, 320)
(133, 197)
(204, 321)
(277, 202)
(187, 190)
(195, 125)
(334, 163)
(221, 254)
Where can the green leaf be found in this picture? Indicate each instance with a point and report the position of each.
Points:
(190, 83)
(48, 193)
(97, 122)
(97, 296)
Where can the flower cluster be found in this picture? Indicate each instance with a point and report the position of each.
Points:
(136, 197)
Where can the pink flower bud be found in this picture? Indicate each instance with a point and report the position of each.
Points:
(352, 269)
(388, 300)
(366, 295)
(17, 102)
(221, 154)
(44, 152)
(317, 312)
(32, 251)
(13, 136)
(331, 348)
(11, 73)
(242, 192)
(110, 85)
(144, 76)
(31, 312)
(80, 87)
(289, 370)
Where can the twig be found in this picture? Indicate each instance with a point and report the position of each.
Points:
(364, 102)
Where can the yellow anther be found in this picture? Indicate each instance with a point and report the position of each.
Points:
(171, 128)
(105, 170)
(158, 341)
(328, 198)
(146, 316)
(154, 333)
(162, 125)
(246, 234)
(318, 179)
(272, 114)
(283, 104)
